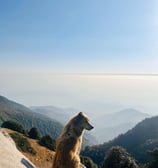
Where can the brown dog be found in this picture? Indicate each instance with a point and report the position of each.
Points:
(69, 142)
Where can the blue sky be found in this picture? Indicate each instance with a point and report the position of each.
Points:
(79, 36)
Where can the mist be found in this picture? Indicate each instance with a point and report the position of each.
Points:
(84, 92)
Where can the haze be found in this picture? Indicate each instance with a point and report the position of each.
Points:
(91, 92)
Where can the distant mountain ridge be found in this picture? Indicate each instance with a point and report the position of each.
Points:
(60, 114)
(137, 141)
(106, 126)
(109, 126)
(10, 110)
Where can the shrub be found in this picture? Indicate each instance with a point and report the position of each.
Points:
(34, 133)
(117, 157)
(48, 142)
(14, 126)
(154, 163)
(22, 143)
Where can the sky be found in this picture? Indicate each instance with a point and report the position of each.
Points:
(62, 52)
(79, 36)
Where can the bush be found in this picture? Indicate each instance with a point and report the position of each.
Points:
(34, 133)
(22, 143)
(154, 163)
(117, 157)
(48, 142)
(14, 126)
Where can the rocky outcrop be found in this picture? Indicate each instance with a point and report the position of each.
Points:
(10, 156)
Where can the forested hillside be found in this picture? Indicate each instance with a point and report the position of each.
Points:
(10, 110)
(137, 141)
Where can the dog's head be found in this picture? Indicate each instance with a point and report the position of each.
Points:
(84, 121)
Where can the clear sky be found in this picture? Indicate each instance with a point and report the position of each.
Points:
(79, 36)
(39, 38)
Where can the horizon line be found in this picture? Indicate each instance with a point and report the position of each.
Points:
(111, 74)
(84, 73)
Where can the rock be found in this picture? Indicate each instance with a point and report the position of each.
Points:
(10, 157)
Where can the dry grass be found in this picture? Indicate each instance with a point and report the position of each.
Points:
(43, 157)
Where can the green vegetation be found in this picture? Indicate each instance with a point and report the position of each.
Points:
(14, 126)
(34, 133)
(154, 163)
(137, 141)
(117, 157)
(10, 110)
(22, 143)
(48, 142)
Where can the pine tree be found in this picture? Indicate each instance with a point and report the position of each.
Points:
(34, 133)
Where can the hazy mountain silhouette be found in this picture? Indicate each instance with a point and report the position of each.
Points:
(111, 125)
(60, 114)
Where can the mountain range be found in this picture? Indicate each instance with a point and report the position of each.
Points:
(109, 126)
(60, 114)
(137, 141)
(10, 110)
(106, 126)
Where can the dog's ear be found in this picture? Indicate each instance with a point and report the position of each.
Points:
(78, 117)
(80, 114)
